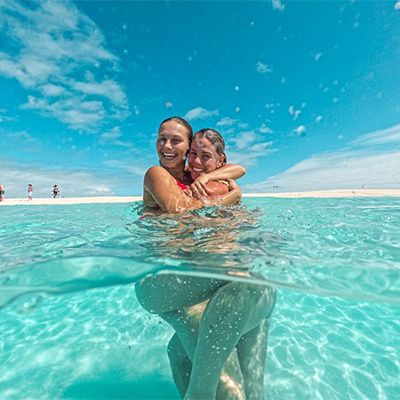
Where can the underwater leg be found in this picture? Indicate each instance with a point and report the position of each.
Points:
(234, 310)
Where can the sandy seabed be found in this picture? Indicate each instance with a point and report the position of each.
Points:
(129, 199)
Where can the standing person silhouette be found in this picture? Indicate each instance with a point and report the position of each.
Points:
(30, 191)
(55, 191)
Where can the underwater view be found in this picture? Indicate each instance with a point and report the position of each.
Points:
(72, 326)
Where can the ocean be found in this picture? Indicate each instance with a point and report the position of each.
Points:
(72, 328)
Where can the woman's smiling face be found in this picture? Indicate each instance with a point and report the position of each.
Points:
(172, 144)
(203, 157)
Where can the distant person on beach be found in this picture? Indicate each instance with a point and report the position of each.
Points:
(2, 191)
(55, 192)
(30, 191)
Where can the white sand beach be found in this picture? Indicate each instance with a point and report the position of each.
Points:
(332, 193)
(129, 199)
(69, 200)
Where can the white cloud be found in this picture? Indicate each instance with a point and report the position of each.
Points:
(226, 121)
(106, 88)
(249, 155)
(339, 170)
(4, 117)
(50, 90)
(262, 68)
(278, 5)
(264, 128)
(24, 135)
(300, 130)
(229, 131)
(53, 42)
(246, 147)
(397, 5)
(244, 139)
(365, 164)
(294, 113)
(200, 113)
(385, 136)
(317, 56)
(76, 112)
(319, 118)
(113, 136)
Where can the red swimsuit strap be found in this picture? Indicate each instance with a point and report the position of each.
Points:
(181, 184)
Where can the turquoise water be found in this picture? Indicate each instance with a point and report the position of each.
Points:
(72, 327)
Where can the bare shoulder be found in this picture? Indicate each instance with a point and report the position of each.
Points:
(155, 170)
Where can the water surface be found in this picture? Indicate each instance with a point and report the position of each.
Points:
(72, 327)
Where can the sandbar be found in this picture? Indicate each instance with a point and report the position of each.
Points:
(129, 199)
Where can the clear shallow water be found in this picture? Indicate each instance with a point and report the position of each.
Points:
(335, 329)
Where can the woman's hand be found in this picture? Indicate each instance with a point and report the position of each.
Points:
(199, 186)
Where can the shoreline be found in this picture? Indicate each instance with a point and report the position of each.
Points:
(129, 199)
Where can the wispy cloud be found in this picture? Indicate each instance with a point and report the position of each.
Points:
(76, 112)
(318, 56)
(264, 128)
(294, 113)
(249, 155)
(244, 139)
(24, 135)
(113, 136)
(339, 170)
(385, 136)
(50, 45)
(278, 5)
(4, 117)
(263, 68)
(107, 88)
(366, 163)
(300, 130)
(200, 113)
(226, 121)
(245, 145)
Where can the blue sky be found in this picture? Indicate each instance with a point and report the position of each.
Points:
(306, 94)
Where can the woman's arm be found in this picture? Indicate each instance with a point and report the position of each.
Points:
(234, 196)
(148, 200)
(161, 189)
(228, 171)
(228, 196)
